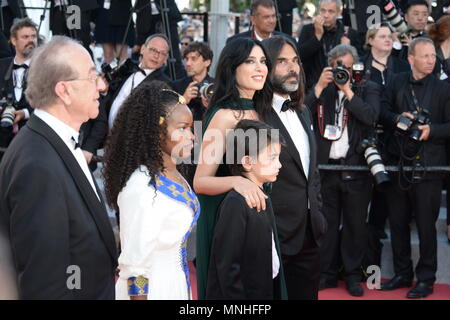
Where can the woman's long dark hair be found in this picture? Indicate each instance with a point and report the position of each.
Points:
(232, 56)
(136, 137)
(273, 46)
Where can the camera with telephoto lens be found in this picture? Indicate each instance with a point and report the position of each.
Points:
(340, 73)
(391, 14)
(205, 90)
(368, 147)
(7, 114)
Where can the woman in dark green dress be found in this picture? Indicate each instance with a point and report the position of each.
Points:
(240, 84)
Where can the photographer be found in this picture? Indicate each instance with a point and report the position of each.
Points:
(342, 119)
(417, 95)
(13, 75)
(154, 52)
(318, 38)
(416, 17)
(197, 58)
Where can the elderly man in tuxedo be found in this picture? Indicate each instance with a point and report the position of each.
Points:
(57, 238)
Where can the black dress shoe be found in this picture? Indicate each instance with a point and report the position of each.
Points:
(327, 283)
(354, 288)
(421, 290)
(396, 283)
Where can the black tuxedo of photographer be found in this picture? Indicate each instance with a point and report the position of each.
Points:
(345, 194)
(149, 21)
(7, 84)
(59, 17)
(318, 38)
(424, 196)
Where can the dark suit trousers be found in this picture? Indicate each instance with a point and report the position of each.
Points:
(347, 201)
(302, 271)
(425, 199)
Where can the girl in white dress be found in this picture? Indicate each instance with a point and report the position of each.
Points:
(157, 207)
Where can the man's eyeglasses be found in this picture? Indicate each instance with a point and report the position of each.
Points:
(97, 79)
(157, 52)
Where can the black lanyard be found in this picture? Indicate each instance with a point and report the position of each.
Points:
(414, 97)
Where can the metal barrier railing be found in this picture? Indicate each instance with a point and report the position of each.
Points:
(337, 167)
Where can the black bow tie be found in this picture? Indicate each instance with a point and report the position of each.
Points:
(76, 144)
(18, 66)
(288, 104)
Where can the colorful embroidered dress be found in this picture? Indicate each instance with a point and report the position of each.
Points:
(154, 227)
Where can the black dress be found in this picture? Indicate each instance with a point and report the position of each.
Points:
(111, 23)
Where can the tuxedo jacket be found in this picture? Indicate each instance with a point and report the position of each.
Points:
(251, 34)
(292, 190)
(241, 252)
(53, 221)
(7, 83)
(397, 99)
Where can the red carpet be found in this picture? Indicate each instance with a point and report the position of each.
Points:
(441, 292)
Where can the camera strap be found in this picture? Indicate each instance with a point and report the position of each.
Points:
(335, 130)
(414, 97)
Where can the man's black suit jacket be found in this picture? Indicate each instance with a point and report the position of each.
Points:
(363, 114)
(237, 270)
(251, 34)
(292, 190)
(397, 98)
(53, 220)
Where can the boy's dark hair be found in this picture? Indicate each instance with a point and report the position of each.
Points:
(241, 144)
(202, 48)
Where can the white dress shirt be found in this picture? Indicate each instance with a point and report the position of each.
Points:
(258, 37)
(296, 130)
(339, 148)
(66, 133)
(18, 75)
(132, 82)
(275, 259)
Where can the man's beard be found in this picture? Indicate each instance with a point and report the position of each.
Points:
(281, 85)
(27, 52)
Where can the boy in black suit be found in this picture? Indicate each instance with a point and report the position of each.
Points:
(245, 262)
